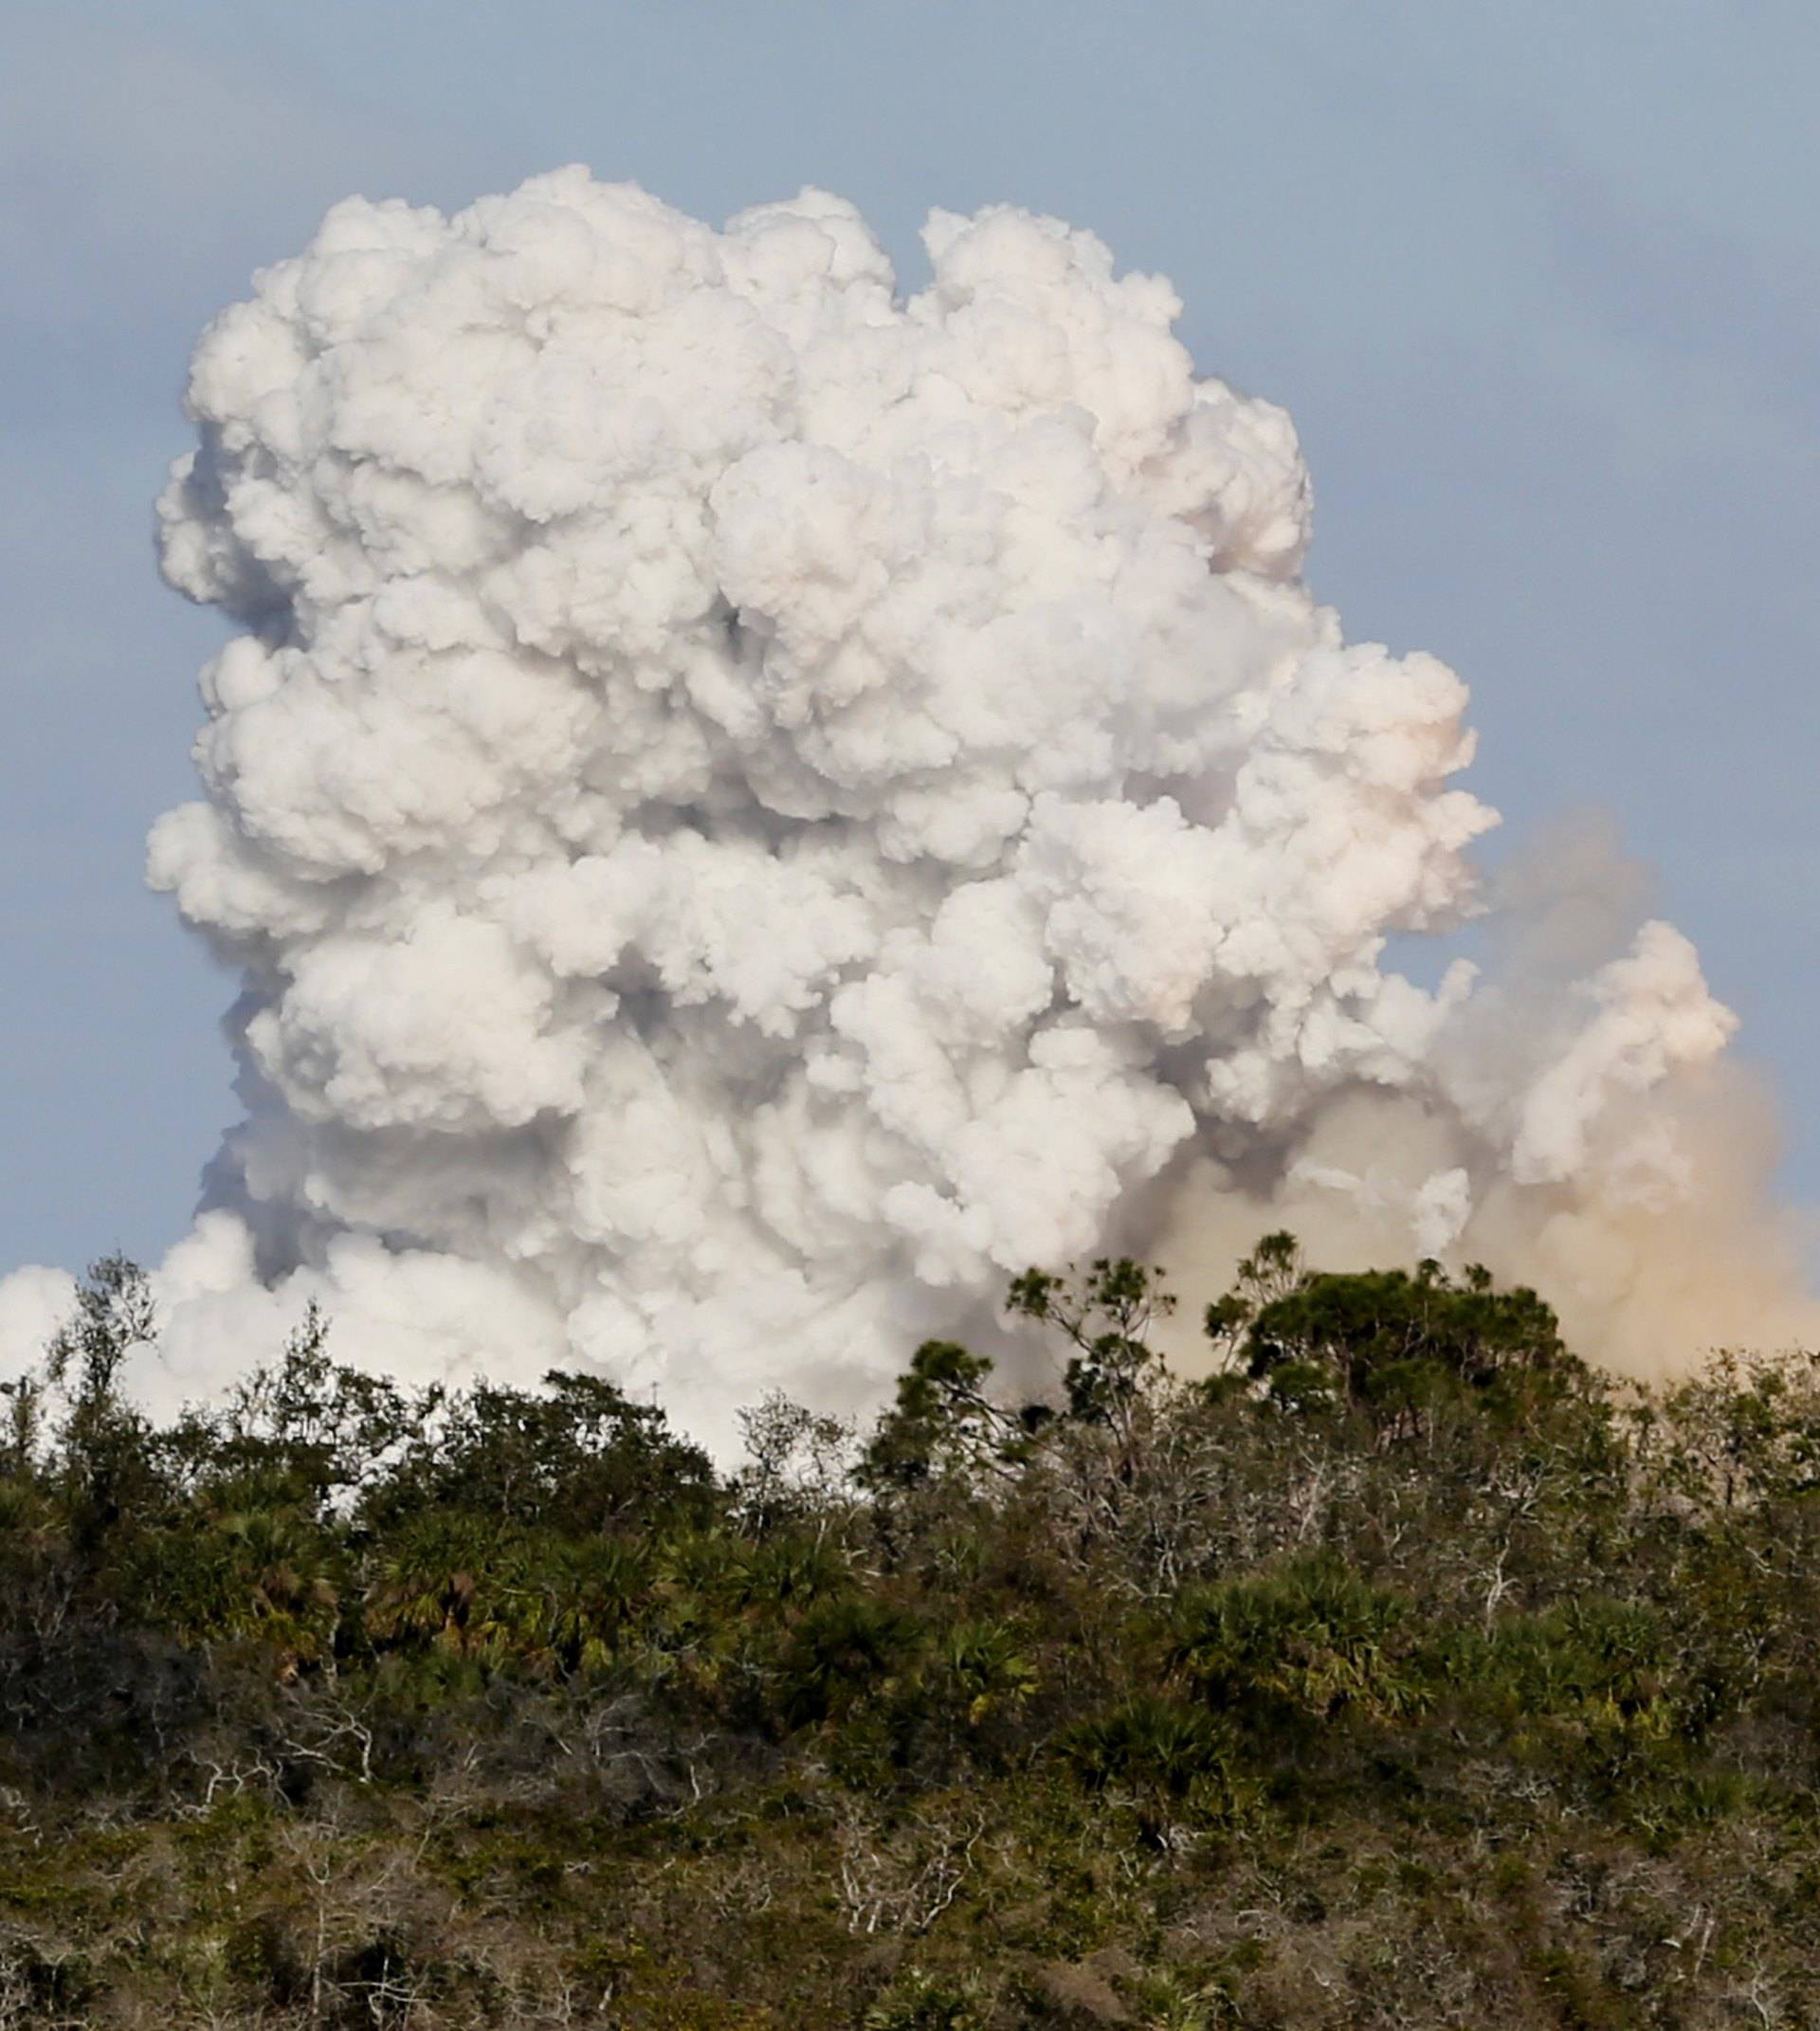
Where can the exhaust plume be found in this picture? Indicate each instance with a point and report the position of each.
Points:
(747, 807)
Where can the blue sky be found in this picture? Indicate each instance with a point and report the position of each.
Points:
(1540, 284)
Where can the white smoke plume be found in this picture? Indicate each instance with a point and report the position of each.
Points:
(747, 806)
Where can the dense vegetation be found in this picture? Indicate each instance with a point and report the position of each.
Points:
(1400, 1674)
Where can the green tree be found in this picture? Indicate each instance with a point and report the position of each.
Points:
(578, 1455)
(943, 1420)
(1392, 1339)
(104, 1445)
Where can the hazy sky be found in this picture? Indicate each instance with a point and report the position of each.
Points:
(1540, 284)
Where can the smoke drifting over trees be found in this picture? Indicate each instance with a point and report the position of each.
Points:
(747, 806)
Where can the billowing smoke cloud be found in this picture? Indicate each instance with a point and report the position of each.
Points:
(747, 807)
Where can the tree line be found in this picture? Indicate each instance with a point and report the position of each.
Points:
(1400, 1669)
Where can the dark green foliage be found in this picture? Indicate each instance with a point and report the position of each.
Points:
(840, 1651)
(943, 1420)
(1152, 1746)
(1305, 1642)
(104, 1460)
(1402, 1673)
(1398, 1339)
(304, 1431)
(580, 1455)
(984, 1669)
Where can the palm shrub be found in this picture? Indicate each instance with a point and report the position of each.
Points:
(1303, 1642)
(570, 1603)
(841, 1650)
(1170, 1761)
(269, 1577)
(983, 1668)
(1594, 1661)
(920, 2002)
(436, 1579)
(785, 1573)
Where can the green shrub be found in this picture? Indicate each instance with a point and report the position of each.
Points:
(841, 1650)
(920, 2002)
(1306, 1641)
(1151, 1744)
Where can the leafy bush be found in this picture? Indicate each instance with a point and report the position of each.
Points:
(919, 2002)
(840, 1651)
(1153, 1746)
(1305, 1642)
